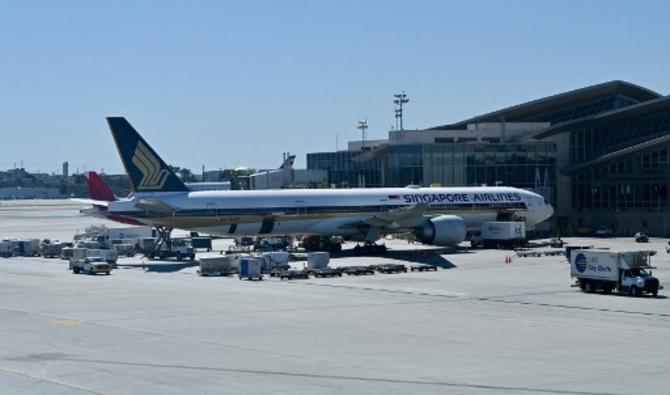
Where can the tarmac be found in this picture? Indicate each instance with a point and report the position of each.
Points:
(476, 326)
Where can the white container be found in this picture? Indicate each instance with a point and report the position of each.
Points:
(217, 265)
(499, 230)
(318, 260)
(275, 258)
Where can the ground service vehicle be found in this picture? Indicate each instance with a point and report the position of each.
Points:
(499, 234)
(556, 242)
(90, 265)
(179, 248)
(606, 270)
(641, 237)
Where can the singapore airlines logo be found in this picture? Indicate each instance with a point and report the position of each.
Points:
(153, 177)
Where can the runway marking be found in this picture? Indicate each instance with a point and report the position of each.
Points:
(66, 322)
(346, 378)
(53, 381)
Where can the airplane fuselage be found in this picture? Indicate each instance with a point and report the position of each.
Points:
(326, 212)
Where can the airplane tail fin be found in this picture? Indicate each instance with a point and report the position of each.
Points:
(98, 189)
(146, 170)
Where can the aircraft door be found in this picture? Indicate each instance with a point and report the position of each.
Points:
(301, 207)
(211, 209)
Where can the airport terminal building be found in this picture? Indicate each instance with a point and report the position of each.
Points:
(599, 154)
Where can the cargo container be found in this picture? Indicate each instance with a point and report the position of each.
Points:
(30, 247)
(51, 249)
(317, 260)
(606, 270)
(6, 249)
(224, 265)
(250, 268)
(274, 260)
(201, 243)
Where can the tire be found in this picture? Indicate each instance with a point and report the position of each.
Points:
(75, 270)
(655, 292)
(607, 289)
(179, 257)
(106, 273)
(192, 257)
(588, 287)
(634, 291)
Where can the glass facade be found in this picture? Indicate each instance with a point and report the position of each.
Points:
(639, 179)
(344, 172)
(526, 165)
(590, 142)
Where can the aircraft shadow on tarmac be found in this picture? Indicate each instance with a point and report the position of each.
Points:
(428, 257)
(159, 267)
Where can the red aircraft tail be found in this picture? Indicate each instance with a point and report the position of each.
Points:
(98, 189)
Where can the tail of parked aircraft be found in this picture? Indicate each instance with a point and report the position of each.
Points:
(98, 189)
(146, 170)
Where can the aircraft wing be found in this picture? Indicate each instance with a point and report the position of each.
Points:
(155, 205)
(92, 202)
(403, 217)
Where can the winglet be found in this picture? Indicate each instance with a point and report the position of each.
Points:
(146, 170)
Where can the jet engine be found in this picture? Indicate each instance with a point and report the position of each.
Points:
(444, 230)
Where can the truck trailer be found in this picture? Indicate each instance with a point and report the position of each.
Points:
(607, 270)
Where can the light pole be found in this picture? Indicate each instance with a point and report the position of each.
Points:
(363, 126)
(400, 99)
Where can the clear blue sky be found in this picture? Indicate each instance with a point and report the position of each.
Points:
(231, 83)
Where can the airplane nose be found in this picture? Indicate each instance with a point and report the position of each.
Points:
(550, 210)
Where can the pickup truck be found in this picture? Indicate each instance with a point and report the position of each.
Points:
(91, 265)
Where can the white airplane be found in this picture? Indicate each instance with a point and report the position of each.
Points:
(436, 216)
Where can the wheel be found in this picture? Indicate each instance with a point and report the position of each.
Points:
(655, 292)
(192, 257)
(634, 291)
(106, 273)
(179, 256)
(607, 289)
(75, 270)
(588, 287)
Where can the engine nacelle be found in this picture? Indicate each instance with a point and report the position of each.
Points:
(444, 231)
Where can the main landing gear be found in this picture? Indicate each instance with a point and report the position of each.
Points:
(370, 249)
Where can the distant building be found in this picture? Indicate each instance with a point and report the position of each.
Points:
(29, 193)
(66, 169)
(288, 178)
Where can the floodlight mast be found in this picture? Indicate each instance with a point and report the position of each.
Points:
(363, 126)
(400, 99)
